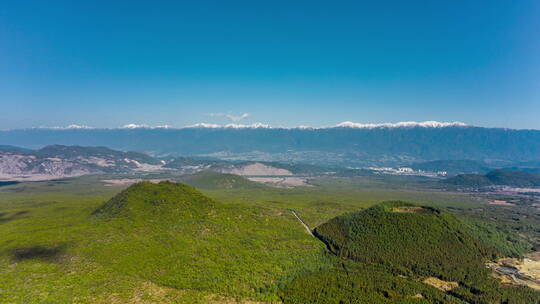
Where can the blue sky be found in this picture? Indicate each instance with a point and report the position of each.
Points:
(286, 63)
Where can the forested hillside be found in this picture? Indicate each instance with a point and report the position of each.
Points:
(496, 177)
(386, 250)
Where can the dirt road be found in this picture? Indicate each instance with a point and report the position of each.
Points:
(303, 224)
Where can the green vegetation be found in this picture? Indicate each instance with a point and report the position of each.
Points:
(513, 230)
(174, 236)
(213, 180)
(504, 240)
(167, 240)
(78, 241)
(359, 283)
(147, 201)
(469, 180)
(429, 242)
(511, 178)
(496, 177)
(331, 197)
(413, 243)
(356, 283)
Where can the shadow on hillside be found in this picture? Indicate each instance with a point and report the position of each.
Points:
(48, 254)
(6, 217)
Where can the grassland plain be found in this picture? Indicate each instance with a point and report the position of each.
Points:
(54, 251)
(334, 196)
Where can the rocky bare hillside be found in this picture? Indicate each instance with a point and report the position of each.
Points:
(58, 161)
(65, 161)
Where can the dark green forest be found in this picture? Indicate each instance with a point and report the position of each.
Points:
(383, 252)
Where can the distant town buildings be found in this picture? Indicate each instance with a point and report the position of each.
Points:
(407, 171)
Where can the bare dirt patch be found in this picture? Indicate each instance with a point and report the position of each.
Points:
(219, 299)
(258, 169)
(281, 182)
(440, 284)
(500, 203)
(411, 209)
(128, 181)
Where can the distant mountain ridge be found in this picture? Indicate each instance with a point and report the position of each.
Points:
(257, 125)
(14, 149)
(336, 146)
(57, 161)
(496, 178)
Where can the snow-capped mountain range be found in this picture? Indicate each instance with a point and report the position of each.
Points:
(344, 144)
(258, 125)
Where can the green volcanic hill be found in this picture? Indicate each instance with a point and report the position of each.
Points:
(215, 180)
(146, 200)
(405, 236)
(172, 235)
(398, 252)
(469, 180)
(514, 178)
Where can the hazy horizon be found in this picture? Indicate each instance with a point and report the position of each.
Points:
(259, 125)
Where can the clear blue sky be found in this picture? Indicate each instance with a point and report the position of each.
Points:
(109, 63)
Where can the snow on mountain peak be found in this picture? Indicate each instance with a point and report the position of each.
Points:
(404, 124)
(345, 124)
(134, 126)
(258, 125)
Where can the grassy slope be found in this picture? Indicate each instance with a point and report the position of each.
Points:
(335, 196)
(174, 236)
(239, 251)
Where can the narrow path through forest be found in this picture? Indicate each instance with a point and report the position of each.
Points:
(302, 222)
